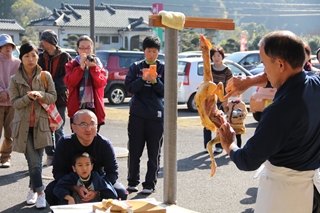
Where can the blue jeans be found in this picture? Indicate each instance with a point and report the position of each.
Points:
(34, 159)
(58, 133)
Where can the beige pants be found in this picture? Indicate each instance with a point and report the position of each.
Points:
(283, 190)
(6, 116)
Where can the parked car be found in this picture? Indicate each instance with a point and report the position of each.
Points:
(247, 59)
(117, 64)
(190, 75)
(262, 97)
(190, 54)
(16, 52)
(72, 52)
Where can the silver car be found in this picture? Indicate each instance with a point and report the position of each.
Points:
(190, 75)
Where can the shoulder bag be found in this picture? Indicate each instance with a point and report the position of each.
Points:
(55, 120)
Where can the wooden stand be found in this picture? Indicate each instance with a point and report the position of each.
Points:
(197, 22)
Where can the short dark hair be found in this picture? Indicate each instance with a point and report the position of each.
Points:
(79, 155)
(151, 42)
(285, 45)
(216, 49)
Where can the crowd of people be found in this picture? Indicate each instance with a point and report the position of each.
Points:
(84, 164)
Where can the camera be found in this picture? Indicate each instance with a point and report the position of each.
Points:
(90, 58)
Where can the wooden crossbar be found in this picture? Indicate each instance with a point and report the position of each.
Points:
(197, 22)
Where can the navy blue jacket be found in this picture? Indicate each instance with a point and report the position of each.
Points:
(101, 151)
(288, 134)
(147, 99)
(98, 183)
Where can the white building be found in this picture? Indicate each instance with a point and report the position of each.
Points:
(12, 28)
(116, 26)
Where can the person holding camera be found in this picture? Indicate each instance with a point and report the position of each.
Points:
(85, 79)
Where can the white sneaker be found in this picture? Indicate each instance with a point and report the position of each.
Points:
(41, 201)
(32, 197)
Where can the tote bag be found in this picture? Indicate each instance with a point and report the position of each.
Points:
(55, 120)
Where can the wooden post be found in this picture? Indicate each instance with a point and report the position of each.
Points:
(170, 116)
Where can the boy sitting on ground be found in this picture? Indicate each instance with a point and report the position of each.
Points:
(83, 176)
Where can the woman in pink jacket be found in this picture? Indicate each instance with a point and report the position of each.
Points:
(8, 67)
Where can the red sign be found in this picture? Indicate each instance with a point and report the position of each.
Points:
(243, 43)
(156, 8)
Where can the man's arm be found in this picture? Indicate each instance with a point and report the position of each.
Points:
(237, 85)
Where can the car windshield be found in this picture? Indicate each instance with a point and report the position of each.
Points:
(182, 67)
(236, 57)
(103, 56)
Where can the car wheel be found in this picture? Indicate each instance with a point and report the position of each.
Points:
(116, 95)
(192, 106)
(257, 116)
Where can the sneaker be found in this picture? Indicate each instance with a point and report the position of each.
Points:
(48, 162)
(147, 191)
(32, 197)
(132, 188)
(6, 164)
(41, 201)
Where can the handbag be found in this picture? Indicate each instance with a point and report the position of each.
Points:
(55, 120)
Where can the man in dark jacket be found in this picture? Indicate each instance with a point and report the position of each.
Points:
(85, 139)
(53, 59)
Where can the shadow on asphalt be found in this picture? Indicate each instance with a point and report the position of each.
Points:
(13, 177)
(199, 160)
(23, 207)
(252, 192)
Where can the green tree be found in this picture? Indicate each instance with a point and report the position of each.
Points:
(230, 45)
(23, 11)
(189, 40)
(71, 41)
(313, 42)
(5, 8)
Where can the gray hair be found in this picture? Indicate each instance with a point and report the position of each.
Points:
(285, 45)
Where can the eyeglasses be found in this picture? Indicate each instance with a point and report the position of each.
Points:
(85, 125)
(83, 48)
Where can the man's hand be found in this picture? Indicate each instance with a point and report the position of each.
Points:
(238, 84)
(227, 137)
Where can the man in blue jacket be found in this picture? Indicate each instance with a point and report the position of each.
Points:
(146, 115)
(287, 139)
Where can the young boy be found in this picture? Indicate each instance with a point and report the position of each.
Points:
(145, 126)
(87, 179)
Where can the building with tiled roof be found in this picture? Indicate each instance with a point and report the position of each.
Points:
(116, 26)
(12, 28)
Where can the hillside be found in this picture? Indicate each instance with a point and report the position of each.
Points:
(299, 16)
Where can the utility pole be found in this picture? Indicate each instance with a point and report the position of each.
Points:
(92, 34)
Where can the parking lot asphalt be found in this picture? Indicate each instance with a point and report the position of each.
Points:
(229, 191)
